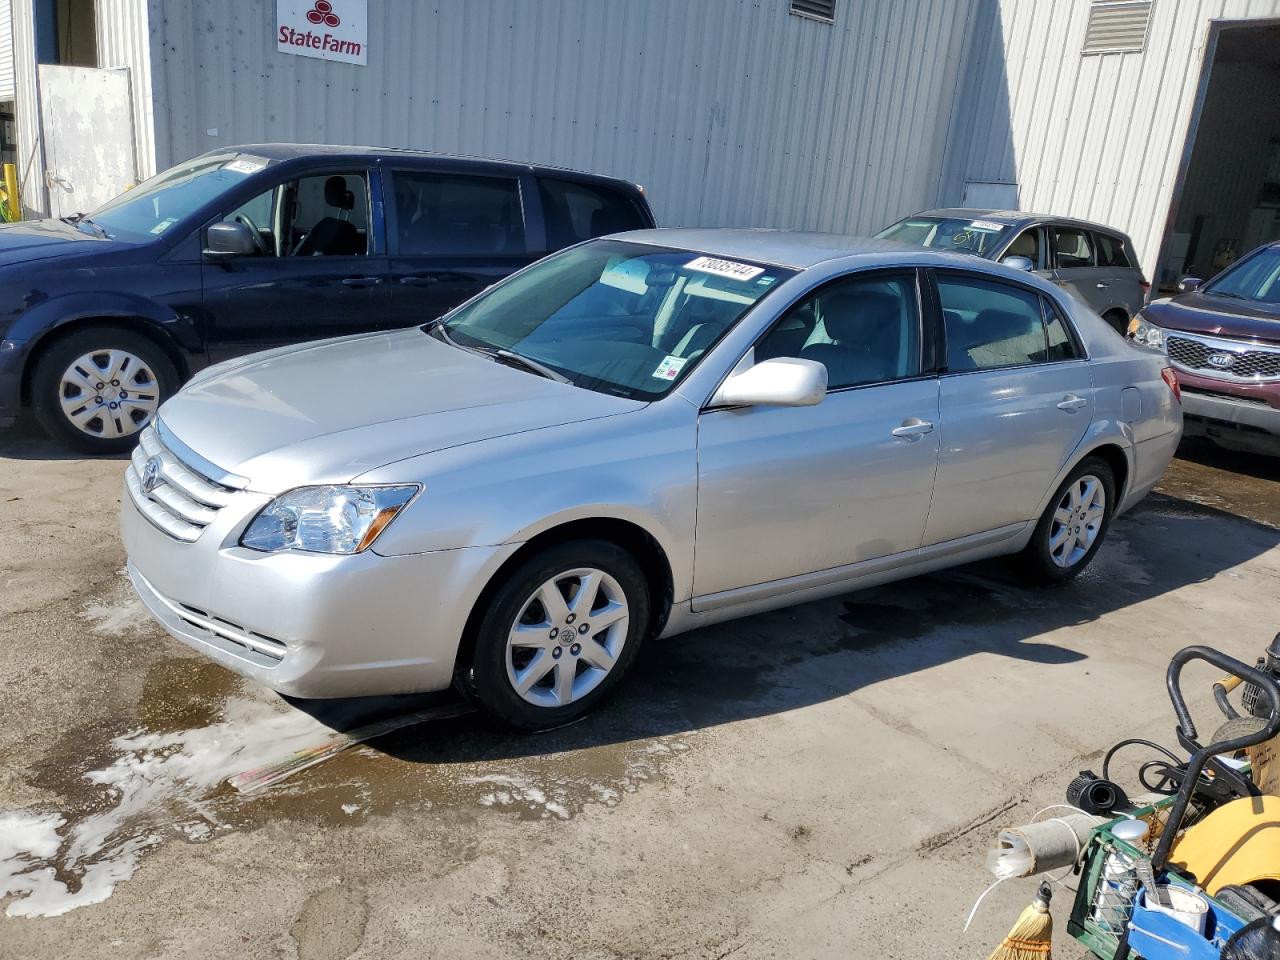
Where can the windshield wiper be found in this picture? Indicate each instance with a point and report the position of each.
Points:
(533, 366)
(83, 221)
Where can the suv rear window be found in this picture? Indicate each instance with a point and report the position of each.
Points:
(1112, 251)
(580, 211)
(446, 213)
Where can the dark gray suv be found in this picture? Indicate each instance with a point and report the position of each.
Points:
(1093, 262)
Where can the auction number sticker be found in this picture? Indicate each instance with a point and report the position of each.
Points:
(724, 268)
(670, 367)
(985, 225)
(245, 164)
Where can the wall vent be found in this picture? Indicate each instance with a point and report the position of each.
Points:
(1117, 26)
(824, 10)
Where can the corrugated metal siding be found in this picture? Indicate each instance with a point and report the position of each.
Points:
(6, 49)
(1099, 137)
(27, 109)
(124, 41)
(731, 112)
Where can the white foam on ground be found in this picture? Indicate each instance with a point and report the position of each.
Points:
(155, 787)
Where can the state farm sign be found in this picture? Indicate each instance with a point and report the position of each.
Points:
(324, 29)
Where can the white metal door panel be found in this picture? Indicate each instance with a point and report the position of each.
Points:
(87, 124)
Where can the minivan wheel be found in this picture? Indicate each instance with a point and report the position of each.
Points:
(1074, 524)
(97, 388)
(557, 634)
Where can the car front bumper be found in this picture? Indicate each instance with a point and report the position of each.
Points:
(306, 624)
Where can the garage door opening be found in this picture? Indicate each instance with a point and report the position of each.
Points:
(1228, 198)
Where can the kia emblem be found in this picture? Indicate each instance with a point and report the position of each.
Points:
(1222, 360)
(151, 475)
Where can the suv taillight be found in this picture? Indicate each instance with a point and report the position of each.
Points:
(1171, 379)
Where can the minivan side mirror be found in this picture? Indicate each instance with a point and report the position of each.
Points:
(780, 382)
(228, 238)
(1019, 263)
(1189, 284)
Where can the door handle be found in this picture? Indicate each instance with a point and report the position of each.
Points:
(1102, 286)
(418, 281)
(361, 281)
(912, 429)
(1071, 403)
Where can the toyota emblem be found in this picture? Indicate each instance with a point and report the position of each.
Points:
(151, 475)
(1222, 360)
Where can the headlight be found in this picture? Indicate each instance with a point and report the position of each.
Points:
(333, 519)
(1144, 332)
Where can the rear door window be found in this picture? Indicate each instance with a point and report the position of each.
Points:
(445, 214)
(990, 324)
(574, 212)
(1074, 247)
(1111, 252)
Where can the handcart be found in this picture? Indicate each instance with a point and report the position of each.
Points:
(1130, 900)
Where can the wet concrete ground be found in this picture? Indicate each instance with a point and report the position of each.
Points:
(818, 781)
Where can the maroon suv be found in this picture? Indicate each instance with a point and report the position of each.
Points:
(1223, 338)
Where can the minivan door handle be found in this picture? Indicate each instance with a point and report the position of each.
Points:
(1103, 286)
(912, 429)
(418, 281)
(361, 281)
(1071, 403)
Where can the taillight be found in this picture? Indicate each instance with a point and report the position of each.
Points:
(1171, 379)
(1146, 290)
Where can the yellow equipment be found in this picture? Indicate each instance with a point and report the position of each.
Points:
(1237, 843)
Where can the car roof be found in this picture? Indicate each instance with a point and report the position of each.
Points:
(795, 249)
(330, 151)
(1019, 218)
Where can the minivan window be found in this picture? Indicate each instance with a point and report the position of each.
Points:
(863, 330)
(151, 208)
(1254, 278)
(990, 324)
(455, 214)
(1074, 247)
(326, 215)
(578, 211)
(963, 234)
(622, 318)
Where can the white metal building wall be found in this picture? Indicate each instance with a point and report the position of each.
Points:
(1101, 136)
(124, 41)
(26, 108)
(6, 49)
(730, 112)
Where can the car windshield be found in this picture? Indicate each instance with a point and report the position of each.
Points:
(1254, 278)
(962, 234)
(621, 318)
(155, 205)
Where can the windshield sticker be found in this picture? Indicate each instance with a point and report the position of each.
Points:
(245, 164)
(724, 268)
(670, 367)
(765, 281)
(985, 225)
(164, 225)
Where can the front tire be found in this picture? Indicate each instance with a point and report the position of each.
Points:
(96, 389)
(558, 633)
(1073, 525)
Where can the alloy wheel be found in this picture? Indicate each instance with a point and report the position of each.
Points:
(567, 637)
(109, 393)
(1077, 521)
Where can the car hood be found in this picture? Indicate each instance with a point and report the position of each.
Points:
(1217, 316)
(31, 240)
(327, 412)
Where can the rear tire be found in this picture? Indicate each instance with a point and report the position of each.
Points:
(1073, 525)
(96, 388)
(538, 665)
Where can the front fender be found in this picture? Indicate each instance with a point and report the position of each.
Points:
(48, 316)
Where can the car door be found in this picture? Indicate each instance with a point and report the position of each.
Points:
(789, 491)
(319, 271)
(451, 233)
(1015, 400)
(1075, 266)
(1125, 290)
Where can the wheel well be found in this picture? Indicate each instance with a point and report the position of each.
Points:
(1119, 464)
(630, 537)
(140, 327)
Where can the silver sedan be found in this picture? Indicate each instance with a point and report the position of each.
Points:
(632, 438)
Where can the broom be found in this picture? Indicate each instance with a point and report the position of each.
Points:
(1030, 936)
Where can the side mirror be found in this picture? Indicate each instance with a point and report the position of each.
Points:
(1019, 263)
(781, 382)
(1189, 284)
(229, 239)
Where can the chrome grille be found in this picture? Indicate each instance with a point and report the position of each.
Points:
(181, 501)
(1249, 363)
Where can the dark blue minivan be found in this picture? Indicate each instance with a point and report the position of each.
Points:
(103, 316)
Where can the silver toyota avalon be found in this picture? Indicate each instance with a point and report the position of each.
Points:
(634, 437)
